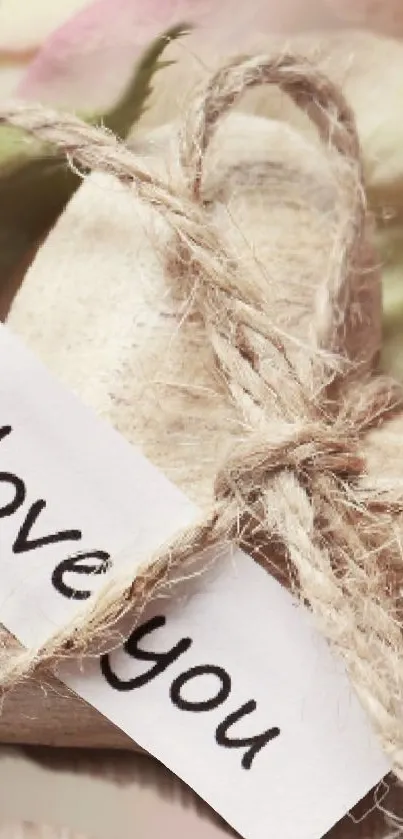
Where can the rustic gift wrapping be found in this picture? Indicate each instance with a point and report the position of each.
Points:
(217, 299)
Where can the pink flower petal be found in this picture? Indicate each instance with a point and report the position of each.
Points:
(87, 61)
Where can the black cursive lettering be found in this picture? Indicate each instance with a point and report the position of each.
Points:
(194, 673)
(23, 544)
(255, 743)
(5, 430)
(19, 493)
(162, 660)
(75, 564)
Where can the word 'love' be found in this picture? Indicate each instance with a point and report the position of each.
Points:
(25, 542)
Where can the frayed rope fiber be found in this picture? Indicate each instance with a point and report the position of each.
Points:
(298, 483)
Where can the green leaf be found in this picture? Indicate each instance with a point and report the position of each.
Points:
(33, 195)
(36, 183)
(16, 148)
(134, 101)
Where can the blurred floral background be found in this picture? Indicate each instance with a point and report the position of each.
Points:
(79, 54)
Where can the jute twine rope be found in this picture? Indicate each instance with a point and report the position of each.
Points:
(298, 482)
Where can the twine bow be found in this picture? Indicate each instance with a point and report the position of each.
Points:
(298, 480)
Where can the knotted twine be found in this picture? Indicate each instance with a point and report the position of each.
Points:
(298, 483)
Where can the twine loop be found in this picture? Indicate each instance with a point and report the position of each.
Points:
(299, 476)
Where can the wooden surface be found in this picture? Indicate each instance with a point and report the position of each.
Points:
(50, 715)
(43, 711)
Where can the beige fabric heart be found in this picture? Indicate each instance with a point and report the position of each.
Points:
(97, 307)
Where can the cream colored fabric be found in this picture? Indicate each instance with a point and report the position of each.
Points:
(97, 305)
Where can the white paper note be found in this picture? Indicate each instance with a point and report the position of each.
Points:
(228, 683)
